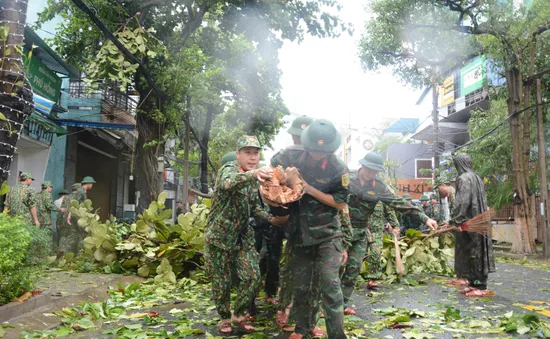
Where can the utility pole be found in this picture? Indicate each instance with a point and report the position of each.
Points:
(435, 119)
(542, 168)
(186, 154)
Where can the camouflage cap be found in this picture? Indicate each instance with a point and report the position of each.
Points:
(321, 136)
(46, 184)
(407, 196)
(88, 180)
(25, 175)
(299, 125)
(229, 156)
(248, 141)
(424, 198)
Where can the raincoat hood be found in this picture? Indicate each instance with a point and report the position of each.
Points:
(463, 163)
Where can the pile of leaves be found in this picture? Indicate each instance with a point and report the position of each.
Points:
(150, 246)
(23, 252)
(419, 253)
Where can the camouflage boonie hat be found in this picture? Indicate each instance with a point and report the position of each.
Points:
(25, 176)
(248, 141)
(299, 125)
(229, 156)
(407, 196)
(433, 196)
(321, 136)
(46, 184)
(424, 198)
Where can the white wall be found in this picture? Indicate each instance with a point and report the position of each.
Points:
(31, 156)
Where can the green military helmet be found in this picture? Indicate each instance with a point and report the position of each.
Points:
(88, 180)
(229, 156)
(25, 176)
(424, 198)
(373, 161)
(321, 136)
(299, 125)
(46, 184)
(248, 141)
(407, 196)
(433, 196)
(63, 192)
(179, 201)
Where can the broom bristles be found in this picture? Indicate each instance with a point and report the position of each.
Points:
(480, 223)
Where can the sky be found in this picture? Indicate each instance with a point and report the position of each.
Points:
(323, 78)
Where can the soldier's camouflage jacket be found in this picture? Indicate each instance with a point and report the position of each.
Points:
(235, 198)
(363, 200)
(19, 200)
(44, 208)
(312, 222)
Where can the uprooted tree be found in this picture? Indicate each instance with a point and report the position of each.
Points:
(421, 40)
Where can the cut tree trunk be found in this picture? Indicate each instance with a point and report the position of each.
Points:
(204, 152)
(523, 212)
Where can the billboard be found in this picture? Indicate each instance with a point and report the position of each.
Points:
(472, 76)
(447, 91)
(44, 81)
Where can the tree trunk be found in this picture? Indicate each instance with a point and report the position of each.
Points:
(149, 182)
(204, 152)
(523, 240)
(16, 101)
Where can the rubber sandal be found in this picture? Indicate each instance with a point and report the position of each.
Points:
(225, 327)
(317, 332)
(466, 290)
(457, 282)
(349, 311)
(282, 318)
(243, 324)
(475, 293)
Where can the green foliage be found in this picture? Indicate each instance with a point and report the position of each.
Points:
(23, 252)
(419, 254)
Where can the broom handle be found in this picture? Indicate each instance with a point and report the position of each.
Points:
(398, 262)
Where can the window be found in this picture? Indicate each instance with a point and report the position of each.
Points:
(423, 164)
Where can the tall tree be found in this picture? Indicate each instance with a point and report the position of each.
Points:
(174, 23)
(16, 103)
(425, 38)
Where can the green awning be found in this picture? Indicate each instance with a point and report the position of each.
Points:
(47, 125)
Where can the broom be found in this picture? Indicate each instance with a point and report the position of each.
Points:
(480, 224)
(398, 262)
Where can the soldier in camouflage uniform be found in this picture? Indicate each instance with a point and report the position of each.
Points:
(437, 212)
(21, 200)
(425, 203)
(286, 281)
(72, 235)
(382, 217)
(234, 196)
(366, 190)
(319, 243)
(45, 206)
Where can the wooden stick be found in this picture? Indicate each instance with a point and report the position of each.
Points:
(398, 262)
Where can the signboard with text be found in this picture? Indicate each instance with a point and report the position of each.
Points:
(472, 76)
(415, 187)
(447, 91)
(43, 80)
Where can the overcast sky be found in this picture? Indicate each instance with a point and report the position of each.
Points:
(323, 78)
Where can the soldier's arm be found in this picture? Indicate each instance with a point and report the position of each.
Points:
(259, 213)
(391, 217)
(233, 179)
(31, 202)
(50, 206)
(346, 227)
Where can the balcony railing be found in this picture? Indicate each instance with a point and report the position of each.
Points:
(112, 99)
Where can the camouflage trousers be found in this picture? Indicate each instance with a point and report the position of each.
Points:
(374, 253)
(286, 290)
(316, 268)
(218, 263)
(356, 253)
(70, 239)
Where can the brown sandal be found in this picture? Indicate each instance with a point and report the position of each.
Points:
(225, 327)
(466, 290)
(475, 293)
(457, 282)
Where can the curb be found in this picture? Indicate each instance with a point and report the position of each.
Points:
(32, 314)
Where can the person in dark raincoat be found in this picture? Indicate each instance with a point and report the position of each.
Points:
(474, 258)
